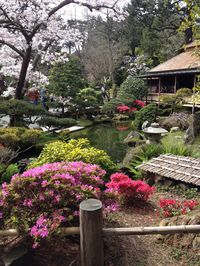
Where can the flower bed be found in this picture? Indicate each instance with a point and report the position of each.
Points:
(171, 207)
(45, 197)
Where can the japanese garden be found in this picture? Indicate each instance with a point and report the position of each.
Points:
(100, 132)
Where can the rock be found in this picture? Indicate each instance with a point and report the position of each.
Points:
(145, 124)
(155, 125)
(183, 186)
(193, 129)
(134, 138)
(131, 154)
(196, 242)
(174, 129)
(185, 220)
(168, 183)
(195, 219)
(164, 222)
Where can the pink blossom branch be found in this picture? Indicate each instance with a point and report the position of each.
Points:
(9, 22)
(13, 48)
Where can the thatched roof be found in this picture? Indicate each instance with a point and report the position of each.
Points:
(186, 62)
(180, 168)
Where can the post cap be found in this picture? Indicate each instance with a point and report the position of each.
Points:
(91, 205)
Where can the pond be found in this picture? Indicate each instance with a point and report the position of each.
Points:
(108, 137)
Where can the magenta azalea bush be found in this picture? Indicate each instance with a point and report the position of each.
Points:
(46, 197)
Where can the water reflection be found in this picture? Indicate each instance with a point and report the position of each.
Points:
(108, 137)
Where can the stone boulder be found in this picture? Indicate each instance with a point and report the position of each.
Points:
(134, 138)
(193, 129)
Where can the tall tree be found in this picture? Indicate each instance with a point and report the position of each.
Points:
(104, 49)
(28, 29)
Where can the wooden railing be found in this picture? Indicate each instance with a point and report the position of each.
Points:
(92, 232)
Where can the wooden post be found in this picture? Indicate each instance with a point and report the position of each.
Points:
(193, 105)
(91, 234)
(175, 85)
(159, 89)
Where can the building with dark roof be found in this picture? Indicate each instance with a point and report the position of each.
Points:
(178, 72)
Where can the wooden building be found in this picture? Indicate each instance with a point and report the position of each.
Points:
(178, 72)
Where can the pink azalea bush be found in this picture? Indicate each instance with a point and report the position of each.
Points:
(130, 191)
(45, 197)
(123, 108)
(139, 103)
(171, 207)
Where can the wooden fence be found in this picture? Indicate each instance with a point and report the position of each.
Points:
(92, 232)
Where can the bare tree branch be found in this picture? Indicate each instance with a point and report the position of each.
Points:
(89, 6)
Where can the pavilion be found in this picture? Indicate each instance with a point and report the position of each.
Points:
(178, 72)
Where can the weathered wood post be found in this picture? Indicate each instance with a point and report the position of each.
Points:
(91, 234)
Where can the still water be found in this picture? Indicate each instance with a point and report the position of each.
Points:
(107, 137)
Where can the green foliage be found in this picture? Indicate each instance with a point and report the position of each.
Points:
(176, 147)
(66, 78)
(15, 137)
(20, 108)
(9, 172)
(49, 121)
(184, 92)
(74, 150)
(151, 150)
(89, 96)
(6, 155)
(2, 168)
(148, 113)
(177, 99)
(168, 99)
(145, 153)
(132, 89)
(111, 106)
(64, 135)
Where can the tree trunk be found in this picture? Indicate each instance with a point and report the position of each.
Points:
(23, 72)
(63, 110)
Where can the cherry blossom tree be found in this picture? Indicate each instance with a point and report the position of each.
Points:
(28, 30)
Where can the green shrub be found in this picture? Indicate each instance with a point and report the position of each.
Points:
(20, 108)
(15, 137)
(49, 121)
(133, 89)
(64, 135)
(151, 150)
(9, 172)
(148, 113)
(111, 106)
(74, 150)
(174, 144)
(177, 148)
(184, 92)
(2, 168)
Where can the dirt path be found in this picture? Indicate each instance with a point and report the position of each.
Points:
(145, 250)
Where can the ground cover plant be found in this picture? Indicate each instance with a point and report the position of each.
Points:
(172, 207)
